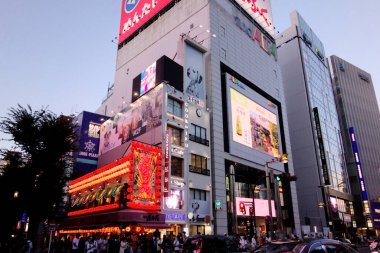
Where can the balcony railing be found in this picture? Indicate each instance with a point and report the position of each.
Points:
(198, 139)
(199, 170)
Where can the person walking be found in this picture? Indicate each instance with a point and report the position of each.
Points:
(176, 244)
(75, 244)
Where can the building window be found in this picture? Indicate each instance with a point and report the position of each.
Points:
(196, 194)
(176, 136)
(177, 167)
(174, 107)
(198, 134)
(199, 165)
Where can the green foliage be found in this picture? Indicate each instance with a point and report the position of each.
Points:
(45, 142)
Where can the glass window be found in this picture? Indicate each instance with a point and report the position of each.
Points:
(174, 107)
(177, 167)
(317, 249)
(176, 136)
(196, 194)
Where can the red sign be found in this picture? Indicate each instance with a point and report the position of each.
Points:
(135, 13)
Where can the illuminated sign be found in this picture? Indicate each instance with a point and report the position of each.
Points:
(358, 164)
(256, 35)
(218, 204)
(322, 152)
(243, 206)
(175, 217)
(260, 11)
(148, 79)
(135, 13)
(253, 125)
(167, 157)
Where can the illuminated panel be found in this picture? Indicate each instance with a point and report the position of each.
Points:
(148, 79)
(93, 209)
(145, 193)
(253, 125)
(358, 167)
(261, 207)
(135, 13)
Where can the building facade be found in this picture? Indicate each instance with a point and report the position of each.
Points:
(322, 185)
(221, 126)
(359, 119)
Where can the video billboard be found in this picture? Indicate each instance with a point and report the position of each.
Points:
(138, 118)
(261, 207)
(135, 13)
(148, 79)
(253, 122)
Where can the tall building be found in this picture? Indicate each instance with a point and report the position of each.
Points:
(200, 81)
(359, 118)
(322, 185)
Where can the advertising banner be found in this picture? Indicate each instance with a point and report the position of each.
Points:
(322, 152)
(194, 86)
(148, 79)
(375, 209)
(135, 13)
(260, 11)
(89, 136)
(138, 118)
(200, 209)
(261, 207)
(253, 125)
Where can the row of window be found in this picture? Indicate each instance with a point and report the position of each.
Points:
(198, 165)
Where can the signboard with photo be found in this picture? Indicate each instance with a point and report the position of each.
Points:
(253, 125)
(138, 118)
(194, 86)
(261, 207)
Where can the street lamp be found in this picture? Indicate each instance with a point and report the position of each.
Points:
(281, 159)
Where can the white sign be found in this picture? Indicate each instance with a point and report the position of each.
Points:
(261, 207)
(260, 11)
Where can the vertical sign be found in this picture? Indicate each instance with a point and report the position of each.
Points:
(167, 163)
(358, 164)
(194, 86)
(321, 147)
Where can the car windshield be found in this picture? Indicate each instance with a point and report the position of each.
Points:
(277, 247)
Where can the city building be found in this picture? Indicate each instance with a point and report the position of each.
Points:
(322, 186)
(359, 120)
(199, 83)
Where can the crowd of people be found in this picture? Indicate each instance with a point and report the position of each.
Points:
(129, 243)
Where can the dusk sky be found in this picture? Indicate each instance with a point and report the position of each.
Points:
(59, 54)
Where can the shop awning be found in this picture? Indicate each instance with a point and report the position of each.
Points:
(153, 225)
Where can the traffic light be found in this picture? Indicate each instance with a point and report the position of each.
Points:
(278, 178)
(251, 210)
(286, 176)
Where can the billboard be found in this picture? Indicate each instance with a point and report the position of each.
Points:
(261, 207)
(375, 209)
(135, 13)
(194, 86)
(260, 11)
(148, 79)
(253, 125)
(138, 118)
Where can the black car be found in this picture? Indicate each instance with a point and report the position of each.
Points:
(281, 246)
(210, 243)
(323, 246)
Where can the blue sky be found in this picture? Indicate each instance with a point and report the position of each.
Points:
(59, 53)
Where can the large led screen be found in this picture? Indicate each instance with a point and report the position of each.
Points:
(253, 125)
(261, 208)
(148, 79)
(138, 118)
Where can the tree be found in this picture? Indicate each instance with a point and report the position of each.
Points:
(46, 142)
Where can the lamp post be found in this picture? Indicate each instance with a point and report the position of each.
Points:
(281, 159)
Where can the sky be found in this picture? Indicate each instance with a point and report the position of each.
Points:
(60, 55)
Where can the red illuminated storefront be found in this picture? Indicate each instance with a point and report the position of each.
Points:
(124, 195)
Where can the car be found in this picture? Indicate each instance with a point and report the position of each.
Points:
(280, 246)
(322, 246)
(210, 243)
(347, 242)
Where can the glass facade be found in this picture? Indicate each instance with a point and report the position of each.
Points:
(321, 96)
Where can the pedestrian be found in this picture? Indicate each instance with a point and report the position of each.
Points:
(158, 243)
(176, 244)
(124, 246)
(75, 244)
(91, 246)
(243, 244)
(252, 245)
